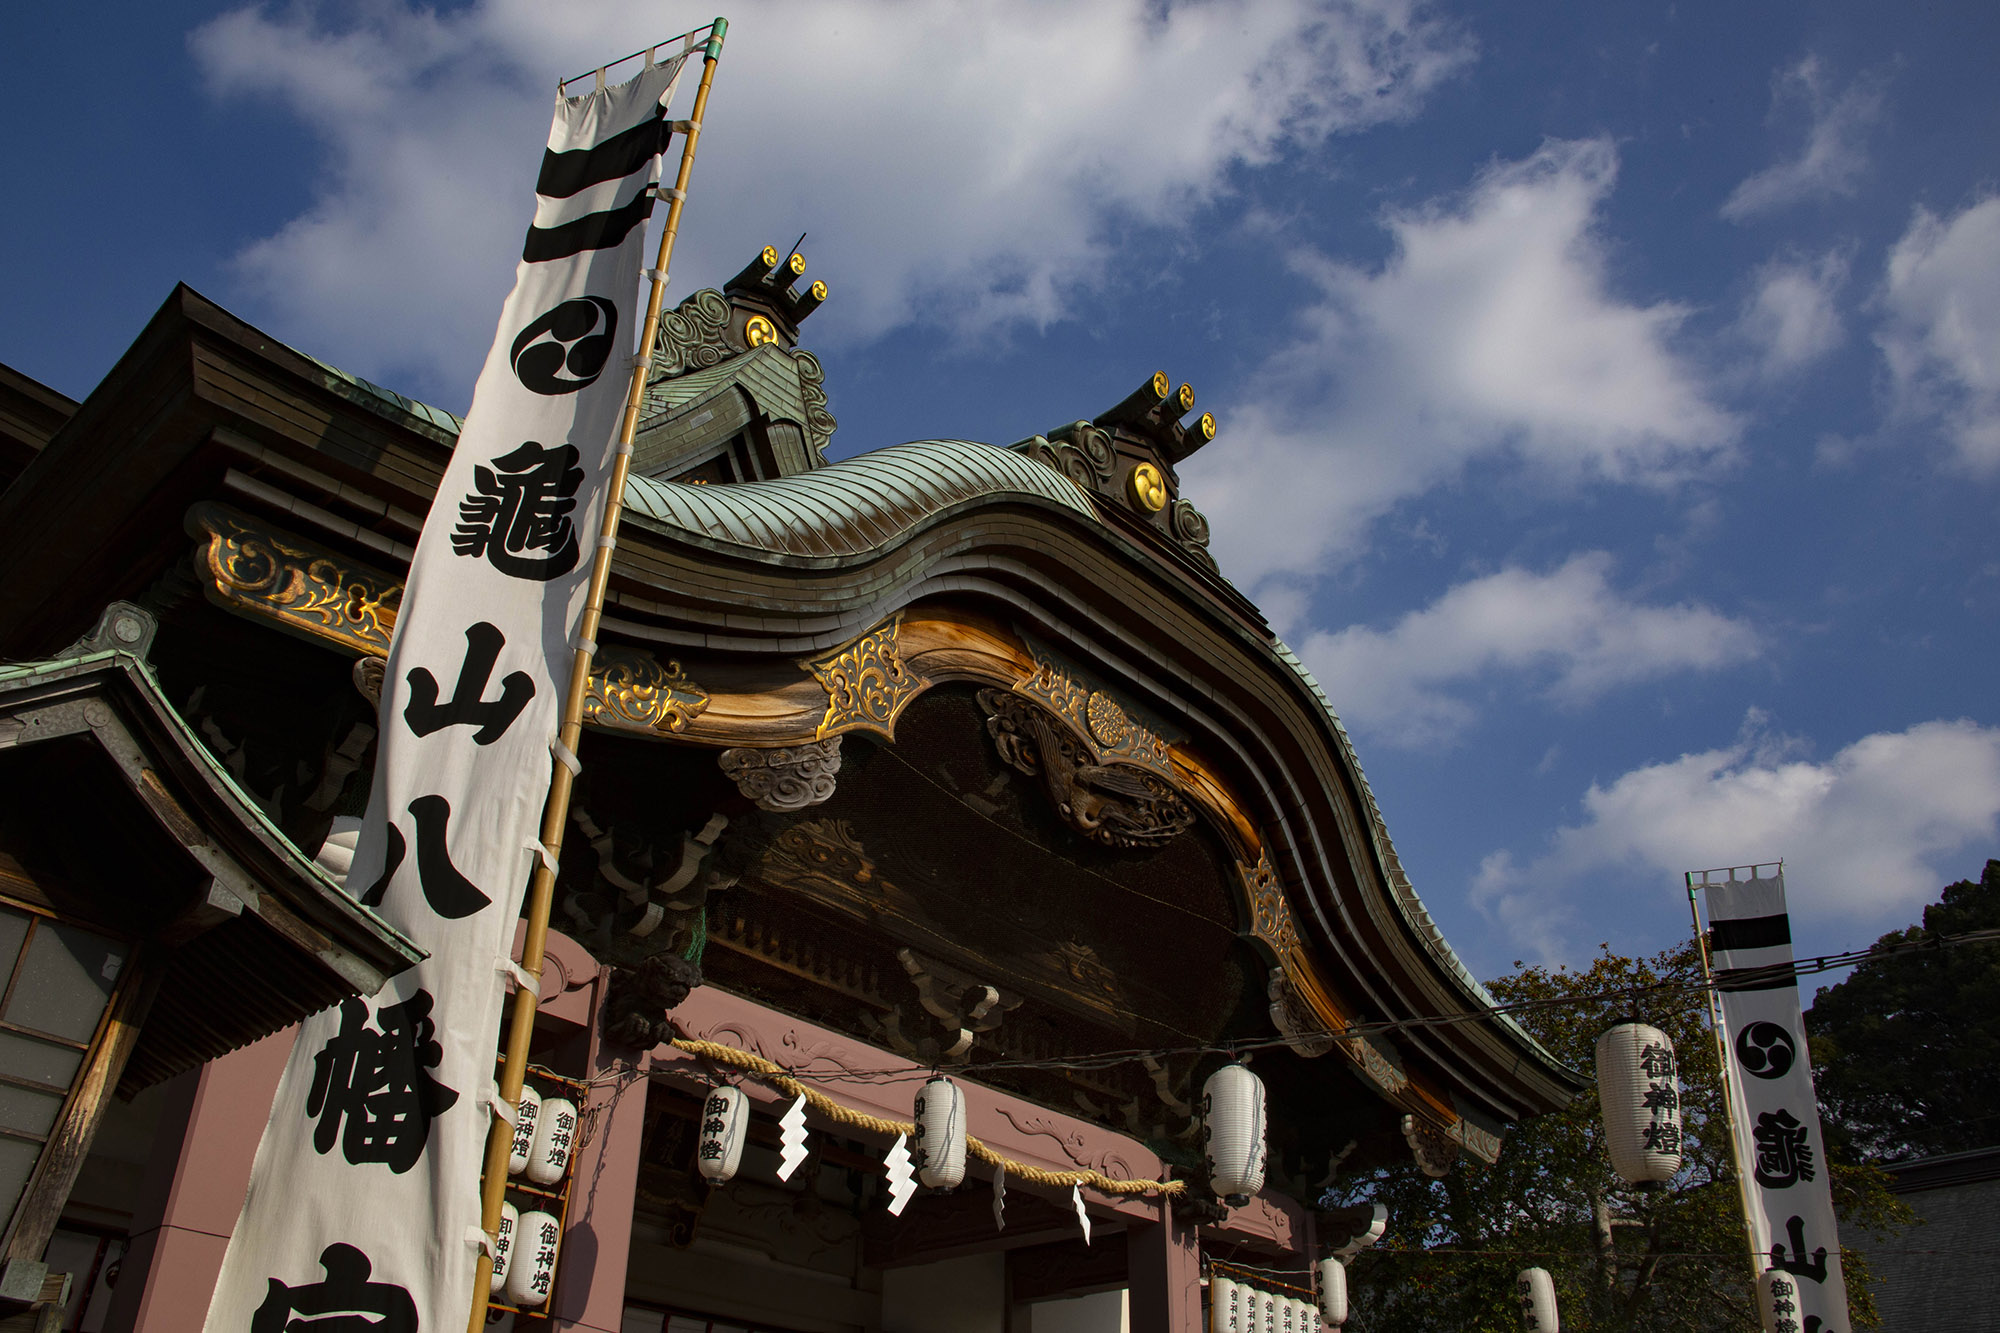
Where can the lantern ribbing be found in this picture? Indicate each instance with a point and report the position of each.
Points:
(775, 1075)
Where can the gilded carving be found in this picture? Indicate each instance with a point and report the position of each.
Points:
(786, 777)
(304, 587)
(867, 683)
(1086, 710)
(1119, 804)
(310, 590)
(1270, 915)
(634, 691)
(1108, 722)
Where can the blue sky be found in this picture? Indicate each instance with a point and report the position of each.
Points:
(1610, 403)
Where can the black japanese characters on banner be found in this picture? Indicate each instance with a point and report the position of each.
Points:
(1795, 1261)
(468, 706)
(376, 1082)
(1784, 1158)
(450, 894)
(565, 349)
(522, 503)
(347, 1302)
(1765, 1050)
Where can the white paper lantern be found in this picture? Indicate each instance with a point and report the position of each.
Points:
(503, 1245)
(1640, 1093)
(725, 1121)
(1332, 1292)
(1538, 1300)
(525, 1116)
(1267, 1310)
(555, 1140)
(1225, 1306)
(531, 1272)
(1232, 1114)
(940, 1147)
(1777, 1299)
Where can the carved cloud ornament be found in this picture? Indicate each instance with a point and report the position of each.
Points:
(1117, 804)
(788, 777)
(1434, 1149)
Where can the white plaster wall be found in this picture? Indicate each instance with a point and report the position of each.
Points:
(1104, 1312)
(966, 1295)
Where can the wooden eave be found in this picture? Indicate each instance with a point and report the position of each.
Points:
(30, 412)
(273, 939)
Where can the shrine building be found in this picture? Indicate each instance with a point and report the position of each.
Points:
(948, 758)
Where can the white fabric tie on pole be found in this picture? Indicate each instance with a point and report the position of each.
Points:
(366, 1183)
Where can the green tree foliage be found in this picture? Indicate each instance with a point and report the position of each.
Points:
(1907, 1049)
(1671, 1259)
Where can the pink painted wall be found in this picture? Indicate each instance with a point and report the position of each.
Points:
(206, 1141)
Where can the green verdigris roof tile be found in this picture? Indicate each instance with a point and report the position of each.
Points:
(852, 507)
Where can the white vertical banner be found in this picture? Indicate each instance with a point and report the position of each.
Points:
(1777, 1124)
(363, 1208)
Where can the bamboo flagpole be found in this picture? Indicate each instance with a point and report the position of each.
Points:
(555, 814)
(1730, 1111)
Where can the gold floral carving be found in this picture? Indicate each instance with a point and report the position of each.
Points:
(634, 691)
(867, 683)
(1270, 914)
(1095, 714)
(305, 588)
(310, 590)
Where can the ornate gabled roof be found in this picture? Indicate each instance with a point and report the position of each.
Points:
(689, 413)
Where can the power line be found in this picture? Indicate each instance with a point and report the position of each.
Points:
(1102, 1060)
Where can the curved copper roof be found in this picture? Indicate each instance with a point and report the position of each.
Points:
(854, 507)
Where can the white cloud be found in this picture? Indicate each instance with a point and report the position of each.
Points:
(1867, 836)
(973, 160)
(1491, 330)
(1941, 327)
(1834, 155)
(1791, 318)
(1568, 631)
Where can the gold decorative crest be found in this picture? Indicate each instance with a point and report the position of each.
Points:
(303, 587)
(634, 691)
(867, 683)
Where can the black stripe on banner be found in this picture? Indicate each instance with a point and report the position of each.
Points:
(563, 174)
(1750, 932)
(593, 231)
(1735, 979)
